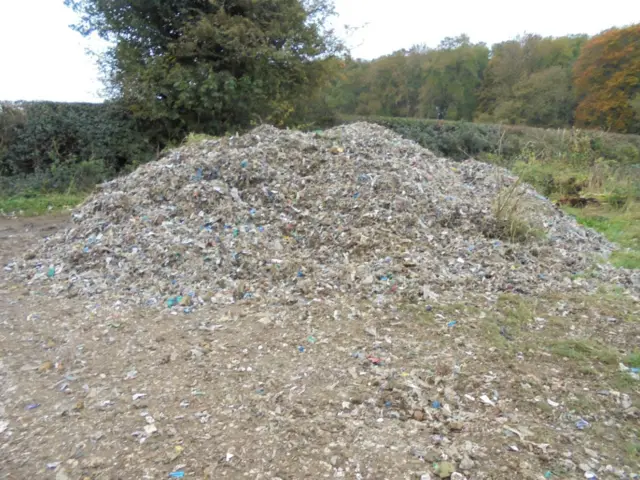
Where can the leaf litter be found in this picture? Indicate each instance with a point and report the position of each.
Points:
(221, 260)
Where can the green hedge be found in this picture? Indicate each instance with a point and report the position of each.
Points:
(461, 140)
(38, 137)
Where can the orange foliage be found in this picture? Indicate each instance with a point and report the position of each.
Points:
(606, 78)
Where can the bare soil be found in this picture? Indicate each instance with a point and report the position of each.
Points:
(499, 388)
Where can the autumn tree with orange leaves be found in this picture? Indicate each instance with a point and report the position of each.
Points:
(607, 81)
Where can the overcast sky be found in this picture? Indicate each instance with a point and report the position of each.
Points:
(41, 58)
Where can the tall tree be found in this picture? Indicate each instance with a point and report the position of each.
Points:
(528, 80)
(211, 65)
(452, 77)
(607, 81)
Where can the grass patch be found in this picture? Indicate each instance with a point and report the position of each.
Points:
(583, 350)
(619, 226)
(40, 204)
(633, 360)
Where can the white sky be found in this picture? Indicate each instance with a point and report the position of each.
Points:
(41, 58)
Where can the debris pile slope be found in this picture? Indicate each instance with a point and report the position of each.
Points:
(287, 215)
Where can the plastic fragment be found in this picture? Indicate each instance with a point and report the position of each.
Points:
(582, 424)
(178, 474)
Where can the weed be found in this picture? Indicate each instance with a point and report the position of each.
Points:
(633, 359)
(508, 222)
(632, 451)
(582, 350)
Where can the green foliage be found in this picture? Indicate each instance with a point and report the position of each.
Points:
(507, 145)
(457, 140)
(528, 80)
(508, 222)
(452, 78)
(621, 227)
(37, 136)
(60, 177)
(211, 66)
(441, 83)
(584, 350)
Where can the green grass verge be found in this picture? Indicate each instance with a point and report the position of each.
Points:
(619, 226)
(29, 206)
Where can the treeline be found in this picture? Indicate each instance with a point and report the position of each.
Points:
(544, 82)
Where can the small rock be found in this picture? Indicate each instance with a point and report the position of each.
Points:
(62, 475)
(446, 469)
(418, 452)
(371, 331)
(45, 367)
(466, 463)
(568, 465)
(591, 453)
(456, 426)
(449, 394)
(457, 476)
(94, 462)
(150, 429)
(418, 415)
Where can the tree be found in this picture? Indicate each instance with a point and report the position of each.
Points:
(544, 99)
(211, 65)
(528, 80)
(607, 81)
(452, 77)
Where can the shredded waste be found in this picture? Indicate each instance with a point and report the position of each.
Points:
(337, 304)
(286, 216)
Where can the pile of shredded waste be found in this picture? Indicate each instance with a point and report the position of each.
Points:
(286, 216)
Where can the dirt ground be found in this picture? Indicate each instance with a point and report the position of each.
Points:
(496, 388)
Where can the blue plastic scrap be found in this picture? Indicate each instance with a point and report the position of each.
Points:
(178, 474)
(582, 424)
(435, 404)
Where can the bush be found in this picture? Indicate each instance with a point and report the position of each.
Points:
(49, 133)
(462, 140)
(70, 178)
